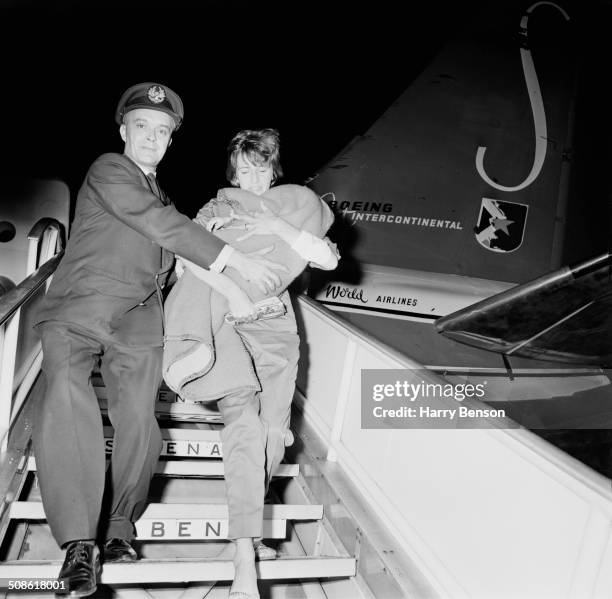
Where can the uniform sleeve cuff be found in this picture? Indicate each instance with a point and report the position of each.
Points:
(224, 255)
(303, 244)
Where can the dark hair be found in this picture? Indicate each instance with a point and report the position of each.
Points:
(259, 146)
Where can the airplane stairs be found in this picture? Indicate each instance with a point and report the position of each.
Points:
(181, 534)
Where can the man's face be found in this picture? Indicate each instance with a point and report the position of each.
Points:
(253, 178)
(146, 134)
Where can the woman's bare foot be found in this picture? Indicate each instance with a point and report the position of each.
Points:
(245, 576)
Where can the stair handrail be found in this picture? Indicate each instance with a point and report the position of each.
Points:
(39, 228)
(45, 238)
(14, 299)
(45, 249)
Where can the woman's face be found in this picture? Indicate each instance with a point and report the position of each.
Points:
(253, 178)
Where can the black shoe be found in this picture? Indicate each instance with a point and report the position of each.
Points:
(119, 550)
(80, 570)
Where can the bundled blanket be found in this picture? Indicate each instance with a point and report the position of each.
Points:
(204, 357)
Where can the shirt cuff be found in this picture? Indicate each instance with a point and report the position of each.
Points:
(315, 250)
(224, 255)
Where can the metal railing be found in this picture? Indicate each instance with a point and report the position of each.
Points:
(18, 376)
(14, 299)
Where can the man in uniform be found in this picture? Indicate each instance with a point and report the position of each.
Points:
(104, 305)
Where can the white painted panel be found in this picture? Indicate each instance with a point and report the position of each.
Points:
(320, 380)
(484, 513)
(603, 585)
(369, 446)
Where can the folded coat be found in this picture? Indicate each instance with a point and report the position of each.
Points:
(204, 357)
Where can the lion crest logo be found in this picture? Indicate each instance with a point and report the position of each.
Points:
(156, 94)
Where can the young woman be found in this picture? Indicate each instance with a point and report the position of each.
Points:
(288, 222)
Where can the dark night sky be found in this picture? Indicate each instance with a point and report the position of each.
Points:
(320, 71)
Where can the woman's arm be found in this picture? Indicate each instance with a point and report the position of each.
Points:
(320, 253)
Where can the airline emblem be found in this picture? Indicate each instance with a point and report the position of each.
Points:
(156, 94)
(501, 225)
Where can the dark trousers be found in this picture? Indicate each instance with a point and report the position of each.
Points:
(68, 433)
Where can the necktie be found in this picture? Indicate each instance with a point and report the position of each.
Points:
(158, 192)
(155, 188)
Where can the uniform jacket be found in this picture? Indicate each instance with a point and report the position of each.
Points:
(120, 253)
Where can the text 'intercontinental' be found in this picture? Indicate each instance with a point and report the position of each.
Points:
(379, 212)
(418, 221)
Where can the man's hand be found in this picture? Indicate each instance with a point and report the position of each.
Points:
(259, 223)
(218, 222)
(265, 223)
(240, 306)
(258, 270)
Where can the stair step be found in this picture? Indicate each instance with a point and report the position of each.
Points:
(190, 521)
(147, 572)
(167, 405)
(164, 395)
(33, 510)
(199, 468)
(187, 412)
(164, 392)
(185, 443)
(199, 529)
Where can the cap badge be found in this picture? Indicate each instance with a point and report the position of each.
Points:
(156, 94)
